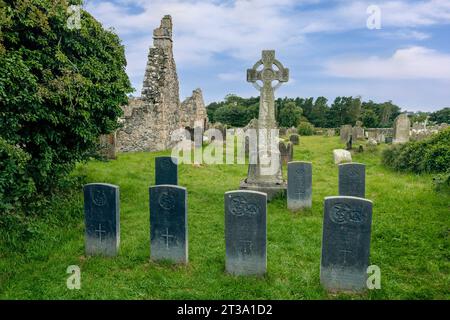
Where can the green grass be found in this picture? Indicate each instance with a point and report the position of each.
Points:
(410, 238)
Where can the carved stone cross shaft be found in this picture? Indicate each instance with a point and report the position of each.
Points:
(267, 75)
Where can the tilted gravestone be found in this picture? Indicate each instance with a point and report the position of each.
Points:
(347, 226)
(246, 232)
(352, 180)
(168, 223)
(166, 170)
(299, 191)
(295, 139)
(102, 219)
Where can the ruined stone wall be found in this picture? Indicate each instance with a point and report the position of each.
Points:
(193, 111)
(148, 121)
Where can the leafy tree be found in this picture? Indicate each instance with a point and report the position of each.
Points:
(60, 88)
(370, 119)
(290, 115)
(318, 116)
(441, 116)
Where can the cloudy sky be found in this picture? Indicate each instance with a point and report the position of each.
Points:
(327, 46)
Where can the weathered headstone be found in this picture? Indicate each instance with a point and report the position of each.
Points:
(166, 170)
(102, 219)
(295, 139)
(246, 232)
(402, 126)
(345, 132)
(358, 131)
(346, 234)
(341, 156)
(168, 223)
(286, 152)
(108, 146)
(352, 180)
(299, 191)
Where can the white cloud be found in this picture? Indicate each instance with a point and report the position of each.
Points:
(406, 34)
(231, 76)
(408, 63)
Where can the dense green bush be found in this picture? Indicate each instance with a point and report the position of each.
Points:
(305, 129)
(16, 186)
(60, 88)
(429, 155)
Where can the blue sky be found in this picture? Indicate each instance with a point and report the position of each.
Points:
(327, 46)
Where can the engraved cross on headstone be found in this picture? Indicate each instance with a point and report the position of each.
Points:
(267, 75)
(100, 231)
(167, 236)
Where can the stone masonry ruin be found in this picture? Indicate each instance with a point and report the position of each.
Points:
(149, 120)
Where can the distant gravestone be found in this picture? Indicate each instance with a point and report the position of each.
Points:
(341, 156)
(402, 126)
(168, 223)
(358, 132)
(295, 139)
(345, 132)
(166, 170)
(108, 146)
(102, 219)
(345, 243)
(299, 190)
(286, 152)
(352, 180)
(245, 232)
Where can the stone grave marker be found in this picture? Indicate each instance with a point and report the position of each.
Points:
(299, 191)
(345, 244)
(246, 232)
(402, 126)
(286, 152)
(168, 223)
(166, 170)
(352, 180)
(345, 132)
(102, 219)
(295, 139)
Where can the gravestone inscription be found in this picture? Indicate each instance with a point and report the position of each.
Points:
(102, 219)
(246, 232)
(345, 243)
(168, 223)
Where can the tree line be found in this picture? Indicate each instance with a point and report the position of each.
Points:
(290, 112)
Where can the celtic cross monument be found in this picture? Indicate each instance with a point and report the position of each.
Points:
(266, 175)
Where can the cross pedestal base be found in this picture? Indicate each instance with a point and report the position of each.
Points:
(272, 190)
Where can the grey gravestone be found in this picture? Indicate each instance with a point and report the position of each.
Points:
(168, 223)
(102, 219)
(295, 139)
(346, 131)
(245, 232)
(286, 152)
(352, 180)
(358, 133)
(347, 226)
(299, 191)
(166, 170)
(401, 130)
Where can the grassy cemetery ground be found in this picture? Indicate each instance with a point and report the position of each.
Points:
(410, 237)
